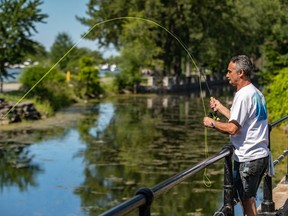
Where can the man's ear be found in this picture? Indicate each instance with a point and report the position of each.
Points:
(241, 73)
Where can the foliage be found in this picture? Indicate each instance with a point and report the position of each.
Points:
(73, 64)
(40, 55)
(62, 44)
(48, 86)
(68, 58)
(212, 31)
(276, 96)
(124, 81)
(275, 48)
(17, 24)
(108, 85)
(88, 85)
(139, 53)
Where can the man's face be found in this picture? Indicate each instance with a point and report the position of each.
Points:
(232, 75)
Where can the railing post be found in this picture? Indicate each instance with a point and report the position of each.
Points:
(228, 205)
(145, 210)
(267, 206)
(228, 183)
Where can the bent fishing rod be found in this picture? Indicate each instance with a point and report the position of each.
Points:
(214, 114)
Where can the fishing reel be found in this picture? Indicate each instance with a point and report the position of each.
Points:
(213, 115)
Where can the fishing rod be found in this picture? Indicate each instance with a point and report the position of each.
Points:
(214, 114)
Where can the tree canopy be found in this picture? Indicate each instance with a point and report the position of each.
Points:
(68, 58)
(152, 33)
(213, 31)
(17, 25)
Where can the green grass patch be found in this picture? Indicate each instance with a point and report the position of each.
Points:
(14, 97)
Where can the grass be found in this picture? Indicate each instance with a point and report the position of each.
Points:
(13, 97)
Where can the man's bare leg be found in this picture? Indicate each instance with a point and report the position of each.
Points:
(249, 207)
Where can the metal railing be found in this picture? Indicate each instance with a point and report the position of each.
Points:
(267, 205)
(144, 197)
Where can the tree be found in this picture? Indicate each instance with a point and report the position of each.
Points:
(212, 31)
(40, 54)
(73, 64)
(88, 84)
(275, 48)
(62, 44)
(17, 24)
(139, 52)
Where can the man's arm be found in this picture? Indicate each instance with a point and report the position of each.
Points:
(230, 128)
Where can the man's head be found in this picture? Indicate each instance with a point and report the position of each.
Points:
(243, 63)
(239, 71)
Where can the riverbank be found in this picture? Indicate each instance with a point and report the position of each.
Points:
(63, 118)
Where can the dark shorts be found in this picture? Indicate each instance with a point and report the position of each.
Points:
(247, 177)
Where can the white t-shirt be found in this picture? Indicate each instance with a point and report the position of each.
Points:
(249, 110)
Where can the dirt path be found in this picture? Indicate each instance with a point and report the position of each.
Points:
(10, 86)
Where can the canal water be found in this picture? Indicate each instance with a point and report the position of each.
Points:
(102, 158)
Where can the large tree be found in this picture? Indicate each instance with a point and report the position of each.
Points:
(17, 25)
(212, 30)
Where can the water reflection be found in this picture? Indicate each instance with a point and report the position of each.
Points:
(145, 141)
(17, 168)
(117, 147)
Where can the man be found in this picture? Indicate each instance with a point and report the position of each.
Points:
(248, 129)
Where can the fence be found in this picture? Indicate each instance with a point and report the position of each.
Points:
(268, 206)
(144, 197)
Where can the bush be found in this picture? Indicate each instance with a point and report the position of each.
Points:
(277, 95)
(125, 81)
(88, 81)
(47, 86)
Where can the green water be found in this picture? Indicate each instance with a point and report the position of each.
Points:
(118, 146)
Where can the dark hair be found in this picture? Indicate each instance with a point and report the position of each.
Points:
(243, 63)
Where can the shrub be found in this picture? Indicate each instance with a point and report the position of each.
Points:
(277, 95)
(47, 86)
(88, 81)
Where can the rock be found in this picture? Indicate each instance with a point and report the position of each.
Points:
(22, 111)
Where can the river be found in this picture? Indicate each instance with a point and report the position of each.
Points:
(91, 163)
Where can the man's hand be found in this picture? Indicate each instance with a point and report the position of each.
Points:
(208, 122)
(215, 104)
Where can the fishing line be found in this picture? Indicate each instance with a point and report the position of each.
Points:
(206, 180)
(204, 77)
(12, 108)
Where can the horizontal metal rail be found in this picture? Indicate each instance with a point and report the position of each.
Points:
(279, 121)
(280, 158)
(171, 182)
(146, 195)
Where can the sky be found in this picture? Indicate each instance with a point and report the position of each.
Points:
(62, 18)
